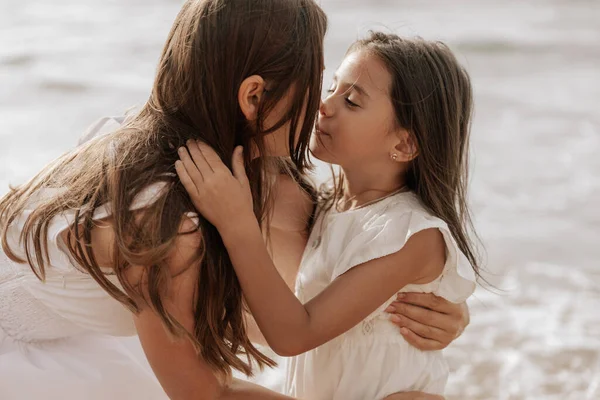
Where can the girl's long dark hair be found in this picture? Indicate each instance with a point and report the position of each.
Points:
(433, 100)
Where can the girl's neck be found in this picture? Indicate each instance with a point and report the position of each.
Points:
(362, 187)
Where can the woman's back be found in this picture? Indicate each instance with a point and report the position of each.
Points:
(61, 332)
(69, 301)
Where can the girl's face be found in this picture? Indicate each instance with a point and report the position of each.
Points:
(356, 122)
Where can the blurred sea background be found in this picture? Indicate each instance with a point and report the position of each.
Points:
(535, 188)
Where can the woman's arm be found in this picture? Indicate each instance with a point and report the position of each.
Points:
(242, 390)
(180, 370)
(413, 396)
(182, 373)
(290, 327)
(427, 321)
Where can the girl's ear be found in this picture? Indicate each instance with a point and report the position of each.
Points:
(405, 148)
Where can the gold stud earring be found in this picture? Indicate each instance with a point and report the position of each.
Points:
(394, 156)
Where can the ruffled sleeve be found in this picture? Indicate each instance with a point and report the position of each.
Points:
(458, 280)
(389, 233)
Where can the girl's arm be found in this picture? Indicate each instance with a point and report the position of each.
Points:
(290, 327)
(287, 235)
(285, 248)
(429, 322)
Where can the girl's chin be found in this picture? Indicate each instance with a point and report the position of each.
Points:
(321, 154)
(316, 149)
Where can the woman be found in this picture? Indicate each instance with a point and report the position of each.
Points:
(103, 241)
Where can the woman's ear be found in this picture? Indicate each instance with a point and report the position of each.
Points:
(250, 95)
(405, 149)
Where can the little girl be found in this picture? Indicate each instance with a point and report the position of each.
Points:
(397, 123)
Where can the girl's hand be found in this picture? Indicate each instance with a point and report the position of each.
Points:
(223, 198)
(427, 321)
(413, 396)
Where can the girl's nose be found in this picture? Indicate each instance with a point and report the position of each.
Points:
(325, 109)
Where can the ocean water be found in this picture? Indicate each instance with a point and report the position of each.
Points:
(535, 186)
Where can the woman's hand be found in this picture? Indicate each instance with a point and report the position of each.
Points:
(413, 396)
(221, 197)
(427, 321)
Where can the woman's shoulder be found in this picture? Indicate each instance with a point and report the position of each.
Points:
(292, 206)
(106, 125)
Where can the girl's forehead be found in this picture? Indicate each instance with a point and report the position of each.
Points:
(366, 69)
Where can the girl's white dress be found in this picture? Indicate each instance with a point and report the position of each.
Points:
(372, 360)
(66, 338)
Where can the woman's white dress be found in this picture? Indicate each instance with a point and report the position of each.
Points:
(66, 338)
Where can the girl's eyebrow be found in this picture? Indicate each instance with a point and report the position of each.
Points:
(354, 86)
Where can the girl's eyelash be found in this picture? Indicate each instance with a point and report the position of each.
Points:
(347, 99)
(351, 104)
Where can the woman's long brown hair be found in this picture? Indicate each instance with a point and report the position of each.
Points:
(433, 100)
(212, 47)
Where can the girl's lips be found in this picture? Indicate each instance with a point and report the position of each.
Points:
(320, 132)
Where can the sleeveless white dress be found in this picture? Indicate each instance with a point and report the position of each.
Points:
(372, 360)
(66, 338)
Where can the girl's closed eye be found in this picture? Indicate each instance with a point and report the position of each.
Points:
(350, 103)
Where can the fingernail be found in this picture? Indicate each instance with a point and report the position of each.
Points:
(181, 150)
(389, 309)
(401, 295)
(396, 318)
(404, 331)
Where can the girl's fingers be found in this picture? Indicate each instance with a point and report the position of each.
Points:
(237, 163)
(190, 167)
(211, 157)
(199, 159)
(184, 177)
